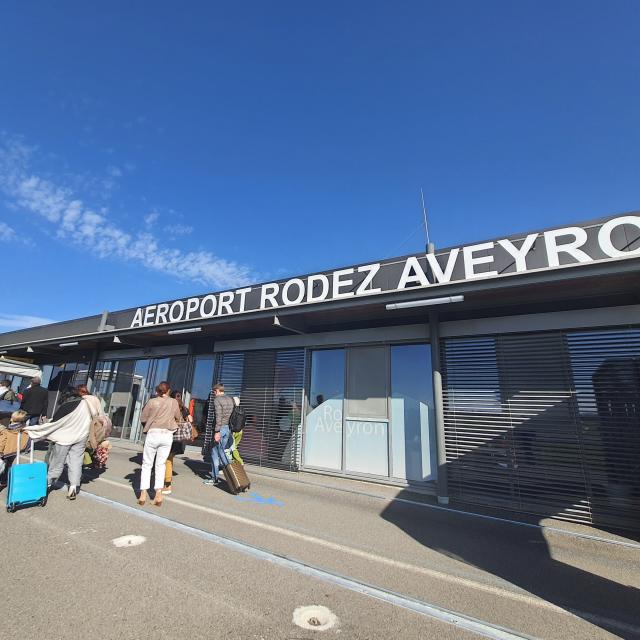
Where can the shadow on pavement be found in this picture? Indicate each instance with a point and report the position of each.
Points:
(518, 555)
(198, 468)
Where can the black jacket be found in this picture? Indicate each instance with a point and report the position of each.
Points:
(35, 401)
(66, 408)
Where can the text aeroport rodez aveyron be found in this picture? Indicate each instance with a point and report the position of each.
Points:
(458, 264)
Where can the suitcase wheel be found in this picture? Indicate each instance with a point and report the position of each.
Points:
(11, 508)
(43, 502)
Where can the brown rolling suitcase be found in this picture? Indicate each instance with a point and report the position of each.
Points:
(236, 477)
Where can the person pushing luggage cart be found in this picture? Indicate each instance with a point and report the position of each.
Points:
(27, 482)
(12, 440)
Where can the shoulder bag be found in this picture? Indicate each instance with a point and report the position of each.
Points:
(97, 429)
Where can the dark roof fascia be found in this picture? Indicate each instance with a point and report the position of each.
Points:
(475, 284)
(113, 315)
(507, 281)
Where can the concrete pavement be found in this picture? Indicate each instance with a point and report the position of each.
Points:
(535, 582)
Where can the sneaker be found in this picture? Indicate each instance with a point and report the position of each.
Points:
(73, 493)
(167, 491)
(209, 482)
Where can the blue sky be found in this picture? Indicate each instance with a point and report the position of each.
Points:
(157, 150)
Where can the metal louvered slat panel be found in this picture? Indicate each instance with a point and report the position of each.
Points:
(606, 374)
(270, 387)
(546, 423)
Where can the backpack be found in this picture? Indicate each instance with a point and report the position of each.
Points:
(237, 419)
(97, 430)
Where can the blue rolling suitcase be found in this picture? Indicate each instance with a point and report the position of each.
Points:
(27, 483)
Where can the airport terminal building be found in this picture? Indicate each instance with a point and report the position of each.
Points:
(504, 373)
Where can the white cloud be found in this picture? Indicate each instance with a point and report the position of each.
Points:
(9, 234)
(178, 229)
(13, 322)
(114, 171)
(150, 218)
(78, 224)
(6, 233)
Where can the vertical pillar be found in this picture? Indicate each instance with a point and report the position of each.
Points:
(434, 333)
(91, 374)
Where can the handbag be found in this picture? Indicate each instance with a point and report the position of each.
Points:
(97, 429)
(184, 432)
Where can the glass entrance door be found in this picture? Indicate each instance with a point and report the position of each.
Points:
(370, 411)
(124, 386)
(323, 426)
(113, 380)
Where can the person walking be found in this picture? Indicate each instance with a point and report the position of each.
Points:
(97, 451)
(237, 436)
(217, 434)
(176, 447)
(160, 418)
(35, 401)
(12, 439)
(68, 431)
(6, 392)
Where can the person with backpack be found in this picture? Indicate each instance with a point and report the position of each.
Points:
(68, 431)
(217, 434)
(236, 424)
(96, 452)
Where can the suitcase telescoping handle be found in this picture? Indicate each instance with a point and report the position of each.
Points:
(18, 447)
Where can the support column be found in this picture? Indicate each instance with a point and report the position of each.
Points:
(91, 374)
(434, 333)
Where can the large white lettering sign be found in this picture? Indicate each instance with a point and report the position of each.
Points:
(553, 249)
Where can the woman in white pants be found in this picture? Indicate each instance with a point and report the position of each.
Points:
(160, 417)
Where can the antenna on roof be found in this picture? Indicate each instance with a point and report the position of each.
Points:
(430, 246)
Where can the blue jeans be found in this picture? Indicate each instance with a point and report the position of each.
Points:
(217, 451)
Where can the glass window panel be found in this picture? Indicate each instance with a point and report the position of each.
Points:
(162, 370)
(47, 372)
(201, 383)
(121, 396)
(139, 396)
(81, 375)
(367, 447)
(202, 378)
(367, 386)
(412, 421)
(323, 431)
(177, 373)
(55, 378)
(100, 382)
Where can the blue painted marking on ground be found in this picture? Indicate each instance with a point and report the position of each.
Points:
(258, 499)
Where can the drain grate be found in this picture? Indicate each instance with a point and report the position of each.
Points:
(315, 617)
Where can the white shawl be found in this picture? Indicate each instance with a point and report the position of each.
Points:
(70, 429)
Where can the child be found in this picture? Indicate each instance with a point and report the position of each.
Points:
(9, 437)
(101, 455)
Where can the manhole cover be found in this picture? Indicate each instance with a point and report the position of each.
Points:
(314, 617)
